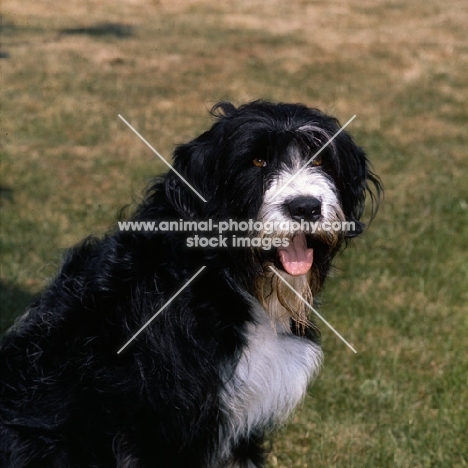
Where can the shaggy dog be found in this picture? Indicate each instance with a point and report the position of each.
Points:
(233, 351)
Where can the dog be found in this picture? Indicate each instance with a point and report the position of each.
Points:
(234, 350)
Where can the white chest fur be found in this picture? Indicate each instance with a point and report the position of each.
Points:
(271, 378)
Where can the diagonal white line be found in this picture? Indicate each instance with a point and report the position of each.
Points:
(161, 309)
(162, 159)
(312, 158)
(312, 309)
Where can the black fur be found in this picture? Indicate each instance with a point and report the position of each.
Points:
(67, 399)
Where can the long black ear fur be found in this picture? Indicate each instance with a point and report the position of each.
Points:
(357, 183)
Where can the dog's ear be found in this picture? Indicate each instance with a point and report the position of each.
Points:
(356, 184)
(198, 163)
(188, 189)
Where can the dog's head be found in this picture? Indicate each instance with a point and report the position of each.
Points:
(278, 164)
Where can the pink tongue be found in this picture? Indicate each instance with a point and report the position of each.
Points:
(296, 258)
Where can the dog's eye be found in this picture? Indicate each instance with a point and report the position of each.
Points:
(317, 161)
(259, 162)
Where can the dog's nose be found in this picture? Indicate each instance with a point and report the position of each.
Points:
(305, 208)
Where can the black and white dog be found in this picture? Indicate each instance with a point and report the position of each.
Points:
(232, 354)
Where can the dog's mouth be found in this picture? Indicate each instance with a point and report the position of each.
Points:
(297, 258)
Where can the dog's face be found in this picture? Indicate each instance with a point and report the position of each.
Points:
(260, 162)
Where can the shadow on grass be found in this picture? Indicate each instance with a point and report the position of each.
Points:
(4, 27)
(118, 30)
(13, 302)
(6, 193)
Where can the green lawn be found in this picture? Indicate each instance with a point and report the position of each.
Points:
(399, 295)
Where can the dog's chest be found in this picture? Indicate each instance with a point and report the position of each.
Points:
(271, 377)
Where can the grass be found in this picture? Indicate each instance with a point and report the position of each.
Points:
(399, 295)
